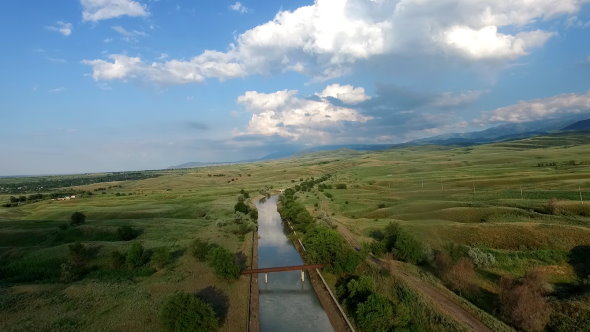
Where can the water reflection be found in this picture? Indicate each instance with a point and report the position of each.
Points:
(286, 303)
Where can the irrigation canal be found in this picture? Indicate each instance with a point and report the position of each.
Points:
(286, 302)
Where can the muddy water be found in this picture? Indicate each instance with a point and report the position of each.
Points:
(286, 303)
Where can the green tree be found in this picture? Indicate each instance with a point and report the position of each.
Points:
(403, 244)
(326, 246)
(223, 263)
(375, 315)
(77, 218)
(241, 207)
(184, 312)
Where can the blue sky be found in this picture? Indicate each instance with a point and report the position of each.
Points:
(105, 85)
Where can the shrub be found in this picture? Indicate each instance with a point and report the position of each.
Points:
(200, 249)
(223, 263)
(117, 260)
(136, 256)
(403, 244)
(480, 258)
(442, 264)
(241, 207)
(326, 246)
(377, 248)
(579, 258)
(354, 291)
(375, 314)
(461, 275)
(217, 299)
(522, 302)
(184, 312)
(161, 257)
(77, 218)
(75, 268)
(126, 233)
(254, 215)
(341, 186)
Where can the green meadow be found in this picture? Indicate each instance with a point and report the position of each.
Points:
(519, 201)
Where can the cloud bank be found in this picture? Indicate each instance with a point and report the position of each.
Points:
(538, 109)
(324, 40)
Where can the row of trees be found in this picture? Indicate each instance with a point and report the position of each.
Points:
(35, 184)
(323, 245)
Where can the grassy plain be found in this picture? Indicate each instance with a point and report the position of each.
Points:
(492, 197)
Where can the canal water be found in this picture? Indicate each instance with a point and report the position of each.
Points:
(286, 303)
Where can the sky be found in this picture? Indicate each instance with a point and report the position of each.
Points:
(112, 85)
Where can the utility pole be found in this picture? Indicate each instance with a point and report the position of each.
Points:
(580, 191)
(521, 196)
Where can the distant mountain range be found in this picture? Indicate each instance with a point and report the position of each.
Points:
(499, 133)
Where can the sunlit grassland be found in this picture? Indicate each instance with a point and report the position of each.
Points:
(170, 211)
(489, 196)
(429, 190)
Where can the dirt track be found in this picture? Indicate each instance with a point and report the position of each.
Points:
(441, 301)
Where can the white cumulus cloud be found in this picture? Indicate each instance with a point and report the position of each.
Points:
(62, 27)
(97, 10)
(326, 39)
(538, 109)
(285, 114)
(345, 93)
(238, 7)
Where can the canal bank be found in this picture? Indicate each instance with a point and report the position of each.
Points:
(335, 313)
(253, 307)
(286, 303)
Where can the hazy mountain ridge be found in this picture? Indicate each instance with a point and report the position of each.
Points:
(505, 132)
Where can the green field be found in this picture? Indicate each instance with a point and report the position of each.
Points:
(492, 197)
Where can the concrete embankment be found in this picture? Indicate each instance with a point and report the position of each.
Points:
(335, 313)
(253, 309)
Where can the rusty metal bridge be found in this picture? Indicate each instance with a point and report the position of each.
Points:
(267, 270)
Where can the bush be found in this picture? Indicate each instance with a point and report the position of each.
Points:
(326, 246)
(217, 299)
(402, 244)
(161, 257)
(200, 249)
(480, 258)
(126, 233)
(137, 256)
(77, 218)
(184, 312)
(75, 268)
(117, 260)
(223, 263)
(241, 207)
(376, 314)
(341, 186)
(522, 302)
(354, 291)
(462, 275)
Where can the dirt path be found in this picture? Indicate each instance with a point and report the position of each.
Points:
(441, 301)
